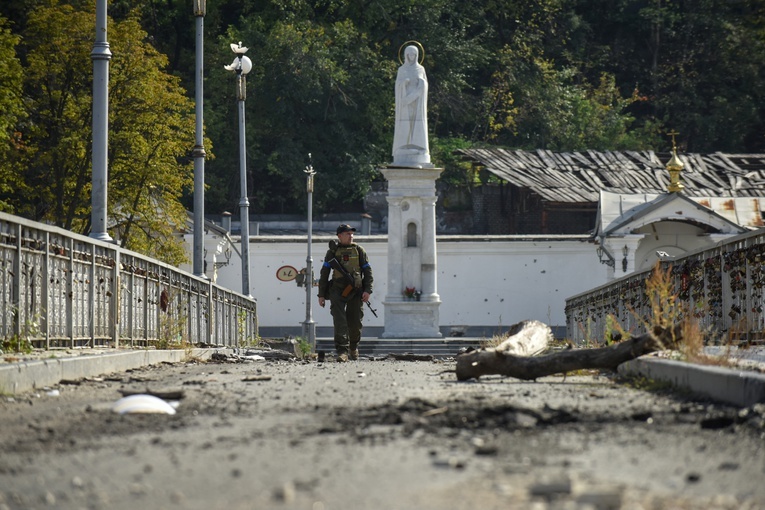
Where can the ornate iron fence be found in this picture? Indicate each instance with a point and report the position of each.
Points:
(722, 287)
(59, 289)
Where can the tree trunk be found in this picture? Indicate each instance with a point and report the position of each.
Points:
(474, 364)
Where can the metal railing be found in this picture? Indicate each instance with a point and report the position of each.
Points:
(61, 290)
(721, 287)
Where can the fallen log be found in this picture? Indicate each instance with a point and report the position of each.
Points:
(474, 364)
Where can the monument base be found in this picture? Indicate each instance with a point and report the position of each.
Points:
(411, 165)
(411, 319)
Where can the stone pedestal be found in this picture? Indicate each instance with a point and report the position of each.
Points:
(412, 253)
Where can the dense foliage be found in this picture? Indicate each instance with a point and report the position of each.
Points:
(554, 74)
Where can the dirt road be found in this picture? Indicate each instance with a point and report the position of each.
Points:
(375, 435)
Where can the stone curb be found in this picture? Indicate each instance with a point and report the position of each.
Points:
(30, 375)
(733, 386)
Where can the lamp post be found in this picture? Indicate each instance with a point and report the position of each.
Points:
(200, 8)
(309, 326)
(100, 56)
(241, 66)
(609, 259)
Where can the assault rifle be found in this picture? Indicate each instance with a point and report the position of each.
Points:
(337, 266)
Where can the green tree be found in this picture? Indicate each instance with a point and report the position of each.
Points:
(313, 89)
(151, 131)
(560, 74)
(11, 106)
(533, 104)
(698, 64)
(57, 89)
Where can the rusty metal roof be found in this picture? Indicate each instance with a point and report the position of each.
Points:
(578, 177)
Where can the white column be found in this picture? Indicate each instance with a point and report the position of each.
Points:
(411, 198)
(429, 263)
(395, 262)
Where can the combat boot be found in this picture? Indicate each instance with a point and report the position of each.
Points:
(342, 357)
(354, 354)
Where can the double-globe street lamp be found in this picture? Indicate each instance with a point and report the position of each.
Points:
(241, 66)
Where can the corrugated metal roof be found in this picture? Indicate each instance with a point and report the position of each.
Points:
(578, 177)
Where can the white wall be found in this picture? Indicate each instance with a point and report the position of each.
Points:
(482, 281)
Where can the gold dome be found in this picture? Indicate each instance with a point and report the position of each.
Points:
(674, 166)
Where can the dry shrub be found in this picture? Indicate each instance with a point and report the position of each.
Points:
(494, 341)
(666, 310)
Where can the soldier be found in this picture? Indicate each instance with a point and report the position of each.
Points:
(347, 299)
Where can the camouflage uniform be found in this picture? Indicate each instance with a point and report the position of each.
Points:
(347, 311)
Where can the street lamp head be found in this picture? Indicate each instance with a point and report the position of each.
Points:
(309, 169)
(246, 64)
(240, 64)
(238, 48)
(233, 66)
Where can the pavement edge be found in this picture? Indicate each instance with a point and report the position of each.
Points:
(733, 386)
(30, 375)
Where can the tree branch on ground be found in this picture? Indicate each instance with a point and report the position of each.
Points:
(474, 364)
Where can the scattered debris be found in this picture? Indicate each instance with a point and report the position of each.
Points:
(163, 394)
(551, 487)
(142, 404)
(606, 497)
(286, 493)
(410, 356)
(433, 412)
(251, 355)
(269, 354)
(259, 377)
(451, 462)
(527, 338)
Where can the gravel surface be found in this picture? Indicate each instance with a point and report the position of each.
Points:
(375, 434)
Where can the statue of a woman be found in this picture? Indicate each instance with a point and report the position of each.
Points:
(410, 137)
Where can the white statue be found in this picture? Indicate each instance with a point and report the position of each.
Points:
(410, 137)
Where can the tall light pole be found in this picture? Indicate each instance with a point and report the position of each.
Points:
(100, 56)
(242, 65)
(309, 326)
(200, 8)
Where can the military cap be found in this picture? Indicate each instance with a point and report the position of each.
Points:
(345, 228)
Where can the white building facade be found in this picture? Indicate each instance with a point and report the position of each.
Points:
(485, 283)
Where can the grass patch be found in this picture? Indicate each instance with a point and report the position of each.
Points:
(16, 345)
(647, 384)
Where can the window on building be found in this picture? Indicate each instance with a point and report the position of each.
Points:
(411, 235)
